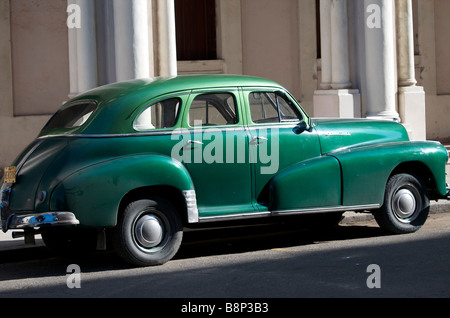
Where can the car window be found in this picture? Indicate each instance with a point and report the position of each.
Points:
(213, 109)
(72, 116)
(271, 107)
(163, 114)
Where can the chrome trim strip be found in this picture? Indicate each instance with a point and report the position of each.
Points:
(328, 209)
(41, 219)
(191, 205)
(287, 212)
(157, 132)
(228, 217)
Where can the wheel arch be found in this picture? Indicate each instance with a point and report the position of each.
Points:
(95, 192)
(419, 170)
(170, 193)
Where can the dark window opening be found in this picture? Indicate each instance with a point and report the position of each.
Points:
(195, 29)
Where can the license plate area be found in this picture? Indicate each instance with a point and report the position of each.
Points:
(10, 175)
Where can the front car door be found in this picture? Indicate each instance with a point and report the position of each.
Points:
(276, 148)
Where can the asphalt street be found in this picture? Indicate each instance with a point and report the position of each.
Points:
(357, 259)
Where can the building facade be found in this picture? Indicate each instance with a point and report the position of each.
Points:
(340, 58)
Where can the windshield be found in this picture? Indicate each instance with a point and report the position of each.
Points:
(72, 116)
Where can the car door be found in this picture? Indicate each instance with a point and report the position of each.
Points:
(275, 146)
(215, 153)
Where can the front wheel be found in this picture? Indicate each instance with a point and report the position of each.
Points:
(406, 205)
(149, 232)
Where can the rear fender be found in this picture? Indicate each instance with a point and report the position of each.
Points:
(311, 183)
(94, 193)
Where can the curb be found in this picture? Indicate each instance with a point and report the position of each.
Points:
(7, 243)
(442, 206)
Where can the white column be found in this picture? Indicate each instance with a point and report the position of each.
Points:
(411, 98)
(405, 43)
(380, 60)
(131, 39)
(335, 98)
(340, 67)
(106, 64)
(325, 43)
(73, 61)
(83, 50)
(167, 46)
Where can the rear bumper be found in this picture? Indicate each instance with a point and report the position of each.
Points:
(28, 221)
(11, 220)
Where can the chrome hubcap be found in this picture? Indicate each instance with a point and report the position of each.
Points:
(149, 231)
(404, 204)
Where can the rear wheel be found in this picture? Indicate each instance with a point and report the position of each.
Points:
(149, 232)
(406, 205)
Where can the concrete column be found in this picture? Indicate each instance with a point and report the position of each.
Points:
(131, 39)
(167, 46)
(73, 59)
(340, 67)
(405, 43)
(325, 43)
(335, 98)
(83, 50)
(106, 61)
(411, 98)
(380, 60)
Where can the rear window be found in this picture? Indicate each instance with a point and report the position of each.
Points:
(72, 116)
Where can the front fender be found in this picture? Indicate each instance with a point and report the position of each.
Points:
(366, 170)
(94, 193)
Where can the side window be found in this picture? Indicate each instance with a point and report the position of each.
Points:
(163, 114)
(270, 107)
(213, 109)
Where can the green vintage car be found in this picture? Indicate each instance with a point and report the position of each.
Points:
(144, 159)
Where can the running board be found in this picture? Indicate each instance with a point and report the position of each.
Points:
(250, 215)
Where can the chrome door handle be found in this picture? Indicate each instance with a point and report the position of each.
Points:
(190, 143)
(257, 140)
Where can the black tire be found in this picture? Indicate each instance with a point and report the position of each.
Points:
(149, 232)
(406, 205)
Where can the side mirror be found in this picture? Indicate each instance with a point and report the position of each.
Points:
(300, 127)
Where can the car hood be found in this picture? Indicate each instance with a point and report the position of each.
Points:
(336, 134)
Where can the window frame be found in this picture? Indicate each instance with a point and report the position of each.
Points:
(154, 102)
(296, 108)
(233, 92)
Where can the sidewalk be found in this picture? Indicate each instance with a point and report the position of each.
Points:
(8, 243)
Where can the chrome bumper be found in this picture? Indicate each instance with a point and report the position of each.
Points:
(12, 221)
(28, 221)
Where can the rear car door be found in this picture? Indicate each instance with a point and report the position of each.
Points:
(215, 148)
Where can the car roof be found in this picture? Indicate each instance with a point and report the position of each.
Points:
(116, 101)
(153, 87)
